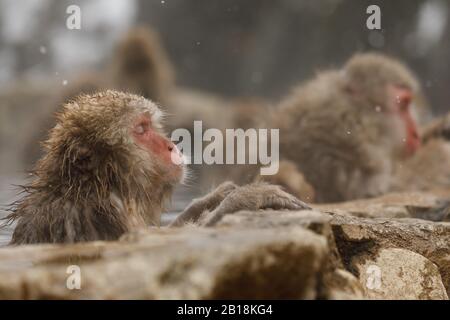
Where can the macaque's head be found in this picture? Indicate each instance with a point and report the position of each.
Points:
(388, 88)
(115, 139)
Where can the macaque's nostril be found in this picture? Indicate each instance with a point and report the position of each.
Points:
(170, 148)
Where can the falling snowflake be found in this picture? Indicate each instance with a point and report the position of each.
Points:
(65, 82)
(42, 50)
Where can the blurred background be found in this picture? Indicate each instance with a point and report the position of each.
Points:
(229, 48)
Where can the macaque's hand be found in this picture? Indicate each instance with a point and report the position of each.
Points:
(253, 197)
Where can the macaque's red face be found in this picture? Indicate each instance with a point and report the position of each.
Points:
(399, 105)
(161, 149)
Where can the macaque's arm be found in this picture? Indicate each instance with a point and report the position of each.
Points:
(254, 197)
(229, 198)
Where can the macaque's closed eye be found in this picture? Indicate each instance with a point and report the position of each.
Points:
(142, 125)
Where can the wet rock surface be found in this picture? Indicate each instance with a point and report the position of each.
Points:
(392, 247)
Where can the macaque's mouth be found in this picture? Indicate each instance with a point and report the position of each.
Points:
(176, 157)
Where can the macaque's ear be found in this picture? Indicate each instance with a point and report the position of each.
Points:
(86, 160)
(79, 157)
(82, 153)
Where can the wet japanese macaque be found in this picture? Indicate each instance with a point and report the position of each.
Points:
(109, 169)
(345, 129)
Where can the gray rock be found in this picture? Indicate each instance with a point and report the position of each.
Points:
(188, 263)
(356, 237)
(433, 206)
(399, 274)
(331, 252)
